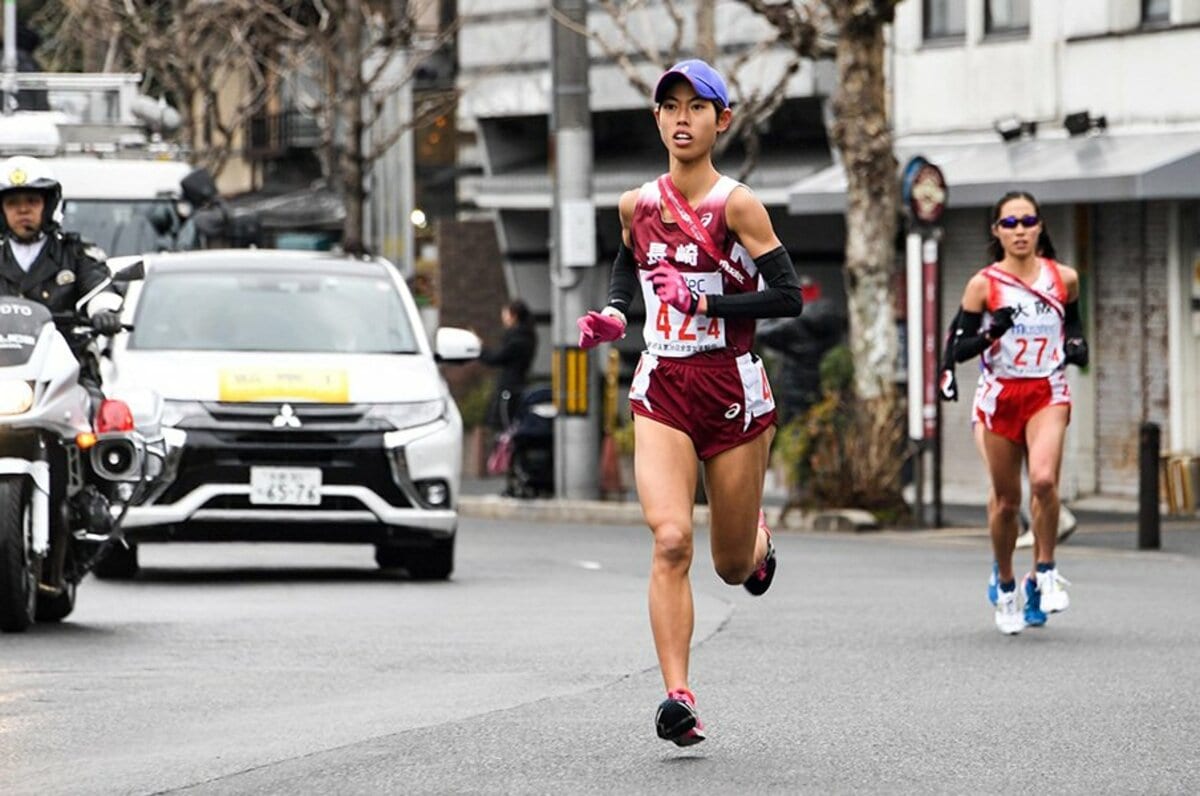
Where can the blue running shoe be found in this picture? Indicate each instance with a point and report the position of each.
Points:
(994, 584)
(1034, 615)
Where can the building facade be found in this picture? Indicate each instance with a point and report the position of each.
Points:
(1081, 103)
(984, 89)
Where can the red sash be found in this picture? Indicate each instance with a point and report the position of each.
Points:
(690, 224)
(1005, 278)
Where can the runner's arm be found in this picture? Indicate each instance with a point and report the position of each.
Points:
(623, 283)
(746, 217)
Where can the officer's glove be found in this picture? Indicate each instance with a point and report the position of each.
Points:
(106, 322)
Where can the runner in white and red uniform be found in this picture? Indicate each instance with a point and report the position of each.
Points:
(701, 250)
(1021, 316)
(1023, 371)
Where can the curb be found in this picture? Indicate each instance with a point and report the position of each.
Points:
(607, 512)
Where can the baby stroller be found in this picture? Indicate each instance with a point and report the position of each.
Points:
(531, 468)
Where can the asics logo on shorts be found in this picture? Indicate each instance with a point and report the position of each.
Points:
(733, 411)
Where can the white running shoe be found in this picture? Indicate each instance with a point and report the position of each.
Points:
(1067, 523)
(1009, 620)
(1053, 588)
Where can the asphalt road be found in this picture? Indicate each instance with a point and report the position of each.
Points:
(871, 666)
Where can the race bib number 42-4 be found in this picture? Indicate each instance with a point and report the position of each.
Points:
(669, 332)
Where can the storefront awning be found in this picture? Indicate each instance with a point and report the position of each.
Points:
(1105, 167)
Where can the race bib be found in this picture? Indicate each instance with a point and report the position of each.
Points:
(671, 333)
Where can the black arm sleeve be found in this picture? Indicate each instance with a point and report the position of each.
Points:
(624, 282)
(969, 342)
(1075, 347)
(1073, 321)
(780, 299)
(948, 344)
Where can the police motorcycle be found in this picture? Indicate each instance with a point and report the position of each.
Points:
(68, 467)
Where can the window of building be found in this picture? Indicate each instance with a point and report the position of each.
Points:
(944, 19)
(1006, 16)
(1156, 12)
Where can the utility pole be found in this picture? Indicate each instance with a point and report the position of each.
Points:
(9, 86)
(572, 255)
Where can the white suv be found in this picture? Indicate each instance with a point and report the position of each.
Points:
(302, 402)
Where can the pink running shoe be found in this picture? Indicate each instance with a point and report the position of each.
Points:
(677, 720)
(760, 580)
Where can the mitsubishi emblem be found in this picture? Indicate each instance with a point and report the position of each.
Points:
(286, 418)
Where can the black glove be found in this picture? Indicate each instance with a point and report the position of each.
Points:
(1002, 321)
(107, 322)
(948, 385)
(1075, 352)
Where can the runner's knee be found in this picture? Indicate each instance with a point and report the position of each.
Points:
(1042, 487)
(732, 570)
(673, 544)
(1006, 505)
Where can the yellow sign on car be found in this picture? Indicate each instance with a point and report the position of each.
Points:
(259, 384)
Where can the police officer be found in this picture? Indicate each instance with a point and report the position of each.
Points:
(41, 263)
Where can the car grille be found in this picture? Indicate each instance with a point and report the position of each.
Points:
(342, 440)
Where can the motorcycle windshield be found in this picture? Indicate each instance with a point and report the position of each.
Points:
(20, 324)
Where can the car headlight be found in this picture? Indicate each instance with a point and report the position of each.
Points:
(15, 397)
(175, 412)
(410, 415)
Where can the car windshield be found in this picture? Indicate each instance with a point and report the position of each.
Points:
(125, 227)
(272, 311)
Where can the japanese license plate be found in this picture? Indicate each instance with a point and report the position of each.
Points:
(285, 486)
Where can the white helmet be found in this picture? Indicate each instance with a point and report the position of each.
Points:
(23, 173)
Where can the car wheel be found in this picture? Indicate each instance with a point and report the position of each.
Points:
(388, 557)
(119, 563)
(434, 562)
(56, 607)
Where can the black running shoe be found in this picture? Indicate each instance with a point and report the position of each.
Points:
(760, 580)
(677, 720)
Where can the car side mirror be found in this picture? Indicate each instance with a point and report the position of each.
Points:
(456, 345)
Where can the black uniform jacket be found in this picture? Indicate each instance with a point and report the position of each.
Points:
(62, 273)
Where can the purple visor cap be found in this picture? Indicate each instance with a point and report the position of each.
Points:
(706, 81)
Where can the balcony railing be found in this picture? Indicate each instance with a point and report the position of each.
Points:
(272, 134)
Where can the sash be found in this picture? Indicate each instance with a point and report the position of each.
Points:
(690, 224)
(1005, 278)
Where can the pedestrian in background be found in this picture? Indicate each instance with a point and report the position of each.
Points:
(513, 358)
(1020, 315)
(802, 341)
(695, 243)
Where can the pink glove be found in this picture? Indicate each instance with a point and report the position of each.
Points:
(671, 288)
(596, 328)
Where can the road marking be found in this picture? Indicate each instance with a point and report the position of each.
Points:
(589, 564)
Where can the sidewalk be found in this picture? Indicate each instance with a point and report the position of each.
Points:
(1104, 521)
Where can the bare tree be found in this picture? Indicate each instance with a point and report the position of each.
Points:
(186, 50)
(359, 54)
(862, 134)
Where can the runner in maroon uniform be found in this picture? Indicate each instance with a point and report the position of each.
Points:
(700, 248)
(1023, 403)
